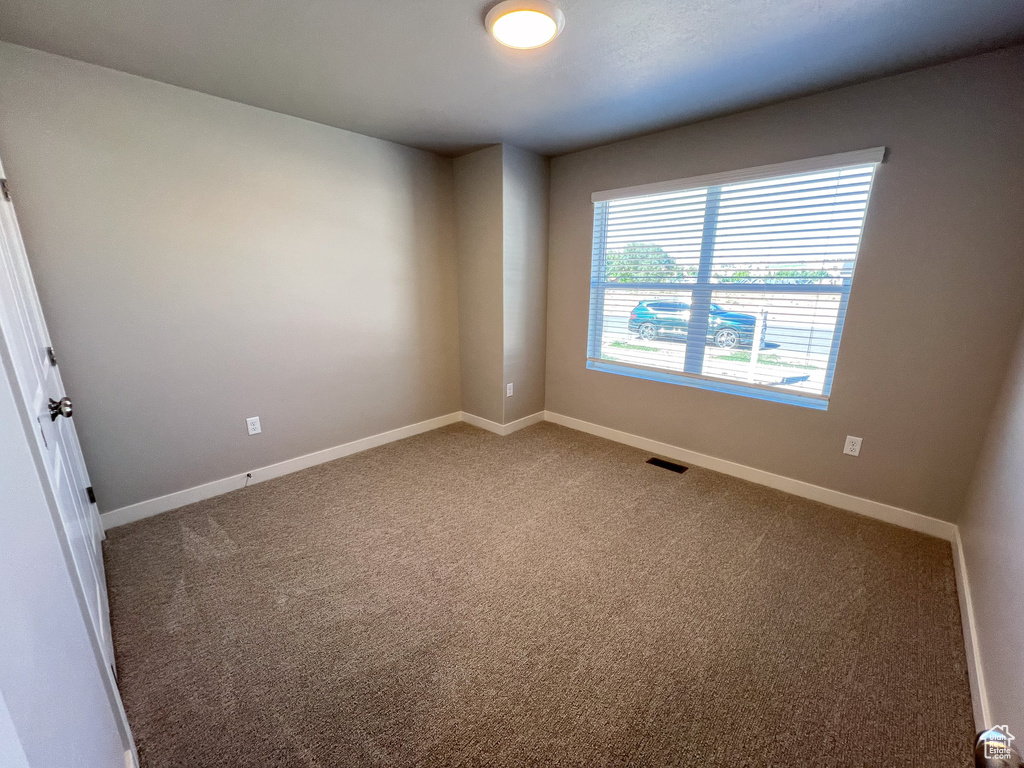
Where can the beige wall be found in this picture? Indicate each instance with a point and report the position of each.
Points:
(992, 530)
(936, 300)
(200, 261)
(525, 206)
(479, 218)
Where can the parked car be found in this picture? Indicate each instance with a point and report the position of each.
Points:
(726, 330)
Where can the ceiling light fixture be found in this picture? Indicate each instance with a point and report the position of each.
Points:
(524, 23)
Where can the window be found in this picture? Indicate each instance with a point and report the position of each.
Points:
(736, 282)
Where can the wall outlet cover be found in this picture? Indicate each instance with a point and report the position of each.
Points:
(253, 425)
(508, 390)
(852, 446)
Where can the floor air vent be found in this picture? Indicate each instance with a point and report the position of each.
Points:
(667, 465)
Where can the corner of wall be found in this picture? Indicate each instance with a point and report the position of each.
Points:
(991, 536)
(502, 202)
(525, 182)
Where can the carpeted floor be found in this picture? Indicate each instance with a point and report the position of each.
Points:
(542, 599)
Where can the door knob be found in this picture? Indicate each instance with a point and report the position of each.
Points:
(60, 407)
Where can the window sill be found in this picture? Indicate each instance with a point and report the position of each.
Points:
(755, 391)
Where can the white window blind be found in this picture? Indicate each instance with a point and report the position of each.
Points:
(736, 282)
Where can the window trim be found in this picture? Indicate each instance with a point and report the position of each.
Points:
(809, 165)
(873, 156)
(710, 383)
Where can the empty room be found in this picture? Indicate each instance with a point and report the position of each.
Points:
(523, 383)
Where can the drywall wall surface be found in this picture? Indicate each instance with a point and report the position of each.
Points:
(478, 195)
(525, 204)
(200, 262)
(992, 532)
(936, 300)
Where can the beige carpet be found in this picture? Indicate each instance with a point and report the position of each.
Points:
(547, 598)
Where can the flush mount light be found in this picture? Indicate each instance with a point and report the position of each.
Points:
(524, 23)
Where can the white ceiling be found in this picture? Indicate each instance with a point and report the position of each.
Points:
(427, 74)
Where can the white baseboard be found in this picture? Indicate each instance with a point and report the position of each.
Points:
(482, 423)
(526, 421)
(151, 507)
(503, 429)
(876, 509)
(979, 695)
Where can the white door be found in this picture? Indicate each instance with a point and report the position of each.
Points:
(38, 377)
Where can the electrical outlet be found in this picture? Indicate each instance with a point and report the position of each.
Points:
(253, 425)
(852, 446)
(508, 390)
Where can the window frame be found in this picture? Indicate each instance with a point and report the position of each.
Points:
(702, 283)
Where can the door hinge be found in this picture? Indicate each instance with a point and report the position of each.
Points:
(91, 494)
(5, 190)
(52, 355)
